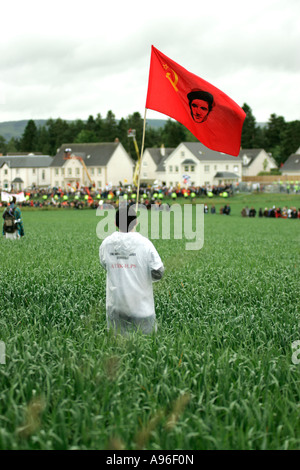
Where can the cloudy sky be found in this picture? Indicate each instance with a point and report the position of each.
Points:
(73, 59)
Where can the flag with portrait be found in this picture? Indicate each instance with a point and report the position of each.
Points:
(212, 117)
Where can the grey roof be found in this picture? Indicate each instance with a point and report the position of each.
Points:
(93, 154)
(251, 154)
(188, 160)
(18, 154)
(161, 165)
(157, 156)
(226, 175)
(17, 180)
(205, 154)
(27, 161)
(292, 163)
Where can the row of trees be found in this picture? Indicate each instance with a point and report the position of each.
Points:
(279, 137)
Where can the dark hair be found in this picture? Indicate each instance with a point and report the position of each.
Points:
(14, 199)
(126, 218)
(201, 95)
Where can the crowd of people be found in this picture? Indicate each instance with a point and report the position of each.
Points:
(151, 197)
(89, 197)
(275, 212)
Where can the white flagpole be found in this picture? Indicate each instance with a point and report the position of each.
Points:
(140, 168)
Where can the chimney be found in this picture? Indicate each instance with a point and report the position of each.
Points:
(162, 150)
(67, 153)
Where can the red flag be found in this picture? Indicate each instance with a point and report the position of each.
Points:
(214, 118)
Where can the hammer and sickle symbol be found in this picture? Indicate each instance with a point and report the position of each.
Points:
(174, 81)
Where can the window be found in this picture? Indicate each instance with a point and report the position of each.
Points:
(92, 171)
(182, 153)
(56, 171)
(186, 168)
(43, 174)
(63, 171)
(145, 174)
(5, 172)
(235, 168)
(145, 163)
(170, 168)
(192, 167)
(206, 168)
(99, 171)
(17, 171)
(177, 169)
(171, 184)
(99, 184)
(33, 171)
(77, 171)
(70, 171)
(215, 167)
(227, 167)
(56, 184)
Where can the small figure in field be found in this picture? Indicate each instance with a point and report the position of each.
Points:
(132, 264)
(252, 212)
(13, 224)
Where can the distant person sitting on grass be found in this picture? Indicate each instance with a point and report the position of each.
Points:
(226, 210)
(132, 264)
(252, 212)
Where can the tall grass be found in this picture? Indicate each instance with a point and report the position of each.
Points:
(217, 375)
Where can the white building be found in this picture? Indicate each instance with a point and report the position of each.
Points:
(18, 172)
(193, 164)
(255, 161)
(97, 164)
(152, 160)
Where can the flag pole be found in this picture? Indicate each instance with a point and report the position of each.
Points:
(140, 168)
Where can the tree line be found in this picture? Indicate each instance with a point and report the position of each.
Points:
(278, 137)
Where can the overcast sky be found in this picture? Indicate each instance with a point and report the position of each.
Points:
(73, 59)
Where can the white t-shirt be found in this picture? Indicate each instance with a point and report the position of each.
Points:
(129, 259)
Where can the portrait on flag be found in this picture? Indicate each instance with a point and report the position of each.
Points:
(212, 116)
(201, 103)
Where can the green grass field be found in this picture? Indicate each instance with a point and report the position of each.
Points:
(217, 375)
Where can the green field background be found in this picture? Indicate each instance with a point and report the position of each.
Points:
(217, 375)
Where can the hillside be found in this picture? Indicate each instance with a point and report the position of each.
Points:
(15, 129)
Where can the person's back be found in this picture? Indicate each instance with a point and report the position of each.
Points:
(9, 225)
(132, 264)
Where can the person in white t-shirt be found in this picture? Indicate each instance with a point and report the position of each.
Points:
(132, 264)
